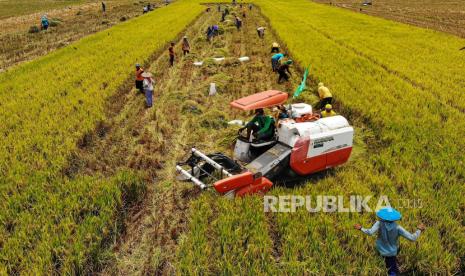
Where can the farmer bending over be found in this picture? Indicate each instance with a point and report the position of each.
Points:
(275, 61)
(283, 71)
(328, 112)
(44, 22)
(325, 95)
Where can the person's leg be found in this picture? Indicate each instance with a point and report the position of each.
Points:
(281, 77)
(148, 96)
(171, 60)
(139, 86)
(391, 265)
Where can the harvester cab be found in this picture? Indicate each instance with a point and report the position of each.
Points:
(303, 144)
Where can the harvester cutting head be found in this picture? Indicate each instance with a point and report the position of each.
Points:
(228, 177)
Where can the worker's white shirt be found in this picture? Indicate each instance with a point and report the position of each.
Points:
(148, 85)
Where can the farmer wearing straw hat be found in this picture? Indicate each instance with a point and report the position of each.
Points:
(388, 236)
(44, 22)
(148, 88)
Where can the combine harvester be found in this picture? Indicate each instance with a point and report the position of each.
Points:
(301, 146)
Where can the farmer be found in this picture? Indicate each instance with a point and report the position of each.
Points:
(261, 125)
(44, 22)
(328, 112)
(275, 47)
(275, 59)
(261, 32)
(186, 47)
(104, 7)
(283, 71)
(388, 236)
(145, 9)
(148, 88)
(325, 95)
(238, 23)
(216, 30)
(219, 8)
(250, 6)
(171, 54)
(223, 16)
(210, 33)
(139, 78)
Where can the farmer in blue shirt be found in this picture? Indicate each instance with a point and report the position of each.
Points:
(44, 22)
(388, 236)
(275, 59)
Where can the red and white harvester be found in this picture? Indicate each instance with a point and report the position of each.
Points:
(303, 144)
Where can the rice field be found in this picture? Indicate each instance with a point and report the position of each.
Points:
(87, 175)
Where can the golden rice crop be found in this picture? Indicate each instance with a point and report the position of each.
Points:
(49, 223)
(405, 86)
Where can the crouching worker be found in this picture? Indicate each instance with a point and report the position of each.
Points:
(261, 125)
(148, 88)
(283, 71)
(328, 112)
(388, 236)
(44, 22)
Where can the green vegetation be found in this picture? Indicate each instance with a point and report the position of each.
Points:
(46, 107)
(414, 110)
(400, 86)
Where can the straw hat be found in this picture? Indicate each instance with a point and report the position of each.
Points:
(146, 75)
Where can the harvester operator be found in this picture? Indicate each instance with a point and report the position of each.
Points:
(262, 126)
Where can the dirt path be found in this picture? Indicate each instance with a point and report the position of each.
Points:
(74, 22)
(153, 140)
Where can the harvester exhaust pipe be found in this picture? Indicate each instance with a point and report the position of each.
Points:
(211, 162)
(191, 177)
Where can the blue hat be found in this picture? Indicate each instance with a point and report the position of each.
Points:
(389, 214)
(137, 65)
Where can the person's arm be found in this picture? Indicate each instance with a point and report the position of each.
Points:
(266, 126)
(409, 236)
(370, 231)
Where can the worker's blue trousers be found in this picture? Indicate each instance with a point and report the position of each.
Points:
(148, 97)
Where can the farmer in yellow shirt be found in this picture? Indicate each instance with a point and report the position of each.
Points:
(325, 95)
(328, 112)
